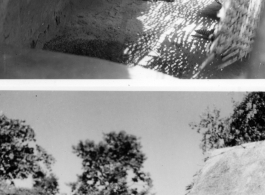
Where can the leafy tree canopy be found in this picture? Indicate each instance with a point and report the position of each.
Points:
(47, 184)
(112, 166)
(20, 156)
(245, 124)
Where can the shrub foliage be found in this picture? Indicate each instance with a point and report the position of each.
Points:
(245, 124)
(111, 166)
(20, 156)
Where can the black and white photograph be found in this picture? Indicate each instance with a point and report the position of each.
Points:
(131, 143)
(132, 97)
(132, 39)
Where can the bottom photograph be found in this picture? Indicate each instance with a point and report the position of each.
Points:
(132, 143)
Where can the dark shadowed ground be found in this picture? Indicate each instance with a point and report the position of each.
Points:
(155, 35)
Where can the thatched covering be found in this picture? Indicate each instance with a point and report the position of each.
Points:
(236, 31)
(233, 171)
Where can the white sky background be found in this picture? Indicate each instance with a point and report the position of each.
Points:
(161, 119)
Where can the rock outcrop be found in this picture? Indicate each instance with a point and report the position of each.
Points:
(238, 170)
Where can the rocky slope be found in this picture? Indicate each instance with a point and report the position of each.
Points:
(238, 170)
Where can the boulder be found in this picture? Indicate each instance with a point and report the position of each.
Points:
(237, 170)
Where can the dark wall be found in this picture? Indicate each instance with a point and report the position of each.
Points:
(30, 23)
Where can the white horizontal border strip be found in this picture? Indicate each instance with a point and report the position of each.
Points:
(134, 85)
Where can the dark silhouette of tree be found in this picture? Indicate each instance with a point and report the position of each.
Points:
(248, 120)
(245, 124)
(112, 166)
(47, 184)
(20, 156)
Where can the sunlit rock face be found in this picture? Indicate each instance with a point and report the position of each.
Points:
(238, 170)
(30, 23)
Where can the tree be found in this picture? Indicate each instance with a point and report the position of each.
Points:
(245, 124)
(214, 129)
(248, 120)
(20, 156)
(47, 184)
(112, 166)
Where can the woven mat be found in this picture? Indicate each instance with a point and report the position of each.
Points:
(235, 33)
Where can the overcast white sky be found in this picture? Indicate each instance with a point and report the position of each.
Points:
(161, 119)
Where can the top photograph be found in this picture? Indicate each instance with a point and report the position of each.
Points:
(132, 39)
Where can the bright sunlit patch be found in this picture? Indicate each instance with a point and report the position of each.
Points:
(145, 60)
(138, 72)
(166, 43)
(126, 51)
(184, 1)
(153, 53)
(25, 183)
(164, 35)
(188, 29)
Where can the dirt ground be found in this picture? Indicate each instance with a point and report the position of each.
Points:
(156, 35)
